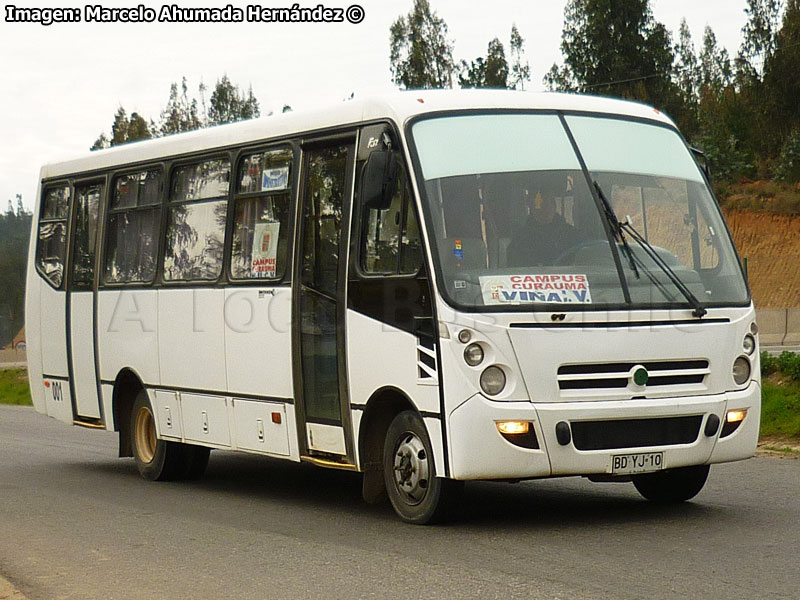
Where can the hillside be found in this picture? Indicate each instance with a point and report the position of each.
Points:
(771, 244)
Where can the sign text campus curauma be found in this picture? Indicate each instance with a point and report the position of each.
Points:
(536, 288)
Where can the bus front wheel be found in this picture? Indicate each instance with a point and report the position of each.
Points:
(417, 495)
(160, 460)
(673, 485)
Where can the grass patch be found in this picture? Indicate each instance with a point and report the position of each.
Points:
(780, 408)
(14, 387)
(785, 449)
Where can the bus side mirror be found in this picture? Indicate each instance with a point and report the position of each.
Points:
(702, 161)
(378, 180)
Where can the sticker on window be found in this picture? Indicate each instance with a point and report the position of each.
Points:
(275, 179)
(265, 250)
(535, 289)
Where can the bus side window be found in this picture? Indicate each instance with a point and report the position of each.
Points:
(133, 227)
(87, 207)
(391, 240)
(52, 243)
(261, 215)
(198, 207)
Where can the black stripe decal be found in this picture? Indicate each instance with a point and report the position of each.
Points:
(424, 414)
(234, 395)
(430, 415)
(614, 324)
(56, 377)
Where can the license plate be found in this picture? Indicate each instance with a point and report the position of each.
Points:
(624, 464)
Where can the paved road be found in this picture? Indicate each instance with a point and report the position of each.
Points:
(778, 349)
(76, 522)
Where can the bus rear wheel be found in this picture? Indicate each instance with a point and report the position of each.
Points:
(672, 486)
(160, 460)
(417, 495)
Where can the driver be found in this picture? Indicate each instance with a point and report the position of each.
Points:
(544, 237)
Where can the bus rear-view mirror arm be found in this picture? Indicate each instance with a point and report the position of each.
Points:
(702, 161)
(377, 185)
(424, 327)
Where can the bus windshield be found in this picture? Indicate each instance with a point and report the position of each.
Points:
(516, 224)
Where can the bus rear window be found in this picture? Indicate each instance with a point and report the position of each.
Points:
(52, 242)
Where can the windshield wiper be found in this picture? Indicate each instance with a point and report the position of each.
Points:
(620, 227)
(616, 227)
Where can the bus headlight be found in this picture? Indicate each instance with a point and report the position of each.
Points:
(749, 344)
(741, 370)
(493, 380)
(473, 354)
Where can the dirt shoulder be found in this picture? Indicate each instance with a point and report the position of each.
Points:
(777, 447)
(8, 591)
(770, 243)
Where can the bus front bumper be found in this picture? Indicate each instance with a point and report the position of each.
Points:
(479, 451)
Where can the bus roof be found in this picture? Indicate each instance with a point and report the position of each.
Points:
(399, 107)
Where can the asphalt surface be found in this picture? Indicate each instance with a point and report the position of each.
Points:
(775, 350)
(77, 522)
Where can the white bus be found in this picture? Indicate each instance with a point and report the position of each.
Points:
(427, 288)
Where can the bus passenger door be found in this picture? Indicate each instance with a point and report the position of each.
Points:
(80, 301)
(319, 301)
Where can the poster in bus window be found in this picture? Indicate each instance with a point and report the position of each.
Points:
(265, 250)
(275, 179)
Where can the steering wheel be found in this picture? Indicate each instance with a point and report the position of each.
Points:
(568, 256)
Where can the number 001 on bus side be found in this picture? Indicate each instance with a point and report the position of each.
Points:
(623, 464)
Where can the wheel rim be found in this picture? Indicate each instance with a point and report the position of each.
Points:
(411, 468)
(145, 435)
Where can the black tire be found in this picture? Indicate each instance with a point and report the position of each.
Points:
(672, 486)
(417, 495)
(157, 460)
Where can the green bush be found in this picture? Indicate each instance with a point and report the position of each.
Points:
(787, 167)
(787, 363)
(727, 157)
(769, 363)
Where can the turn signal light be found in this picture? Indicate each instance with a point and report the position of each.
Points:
(513, 427)
(519, 433)
(734, 416)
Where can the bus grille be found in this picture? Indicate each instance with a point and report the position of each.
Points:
(635, 433)
(619, 375)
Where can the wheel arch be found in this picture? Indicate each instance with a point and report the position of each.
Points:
(127, 386)
(382, 407)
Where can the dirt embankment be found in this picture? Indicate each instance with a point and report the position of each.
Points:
(771, 244)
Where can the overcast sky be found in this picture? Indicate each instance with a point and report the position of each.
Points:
(62, 84)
